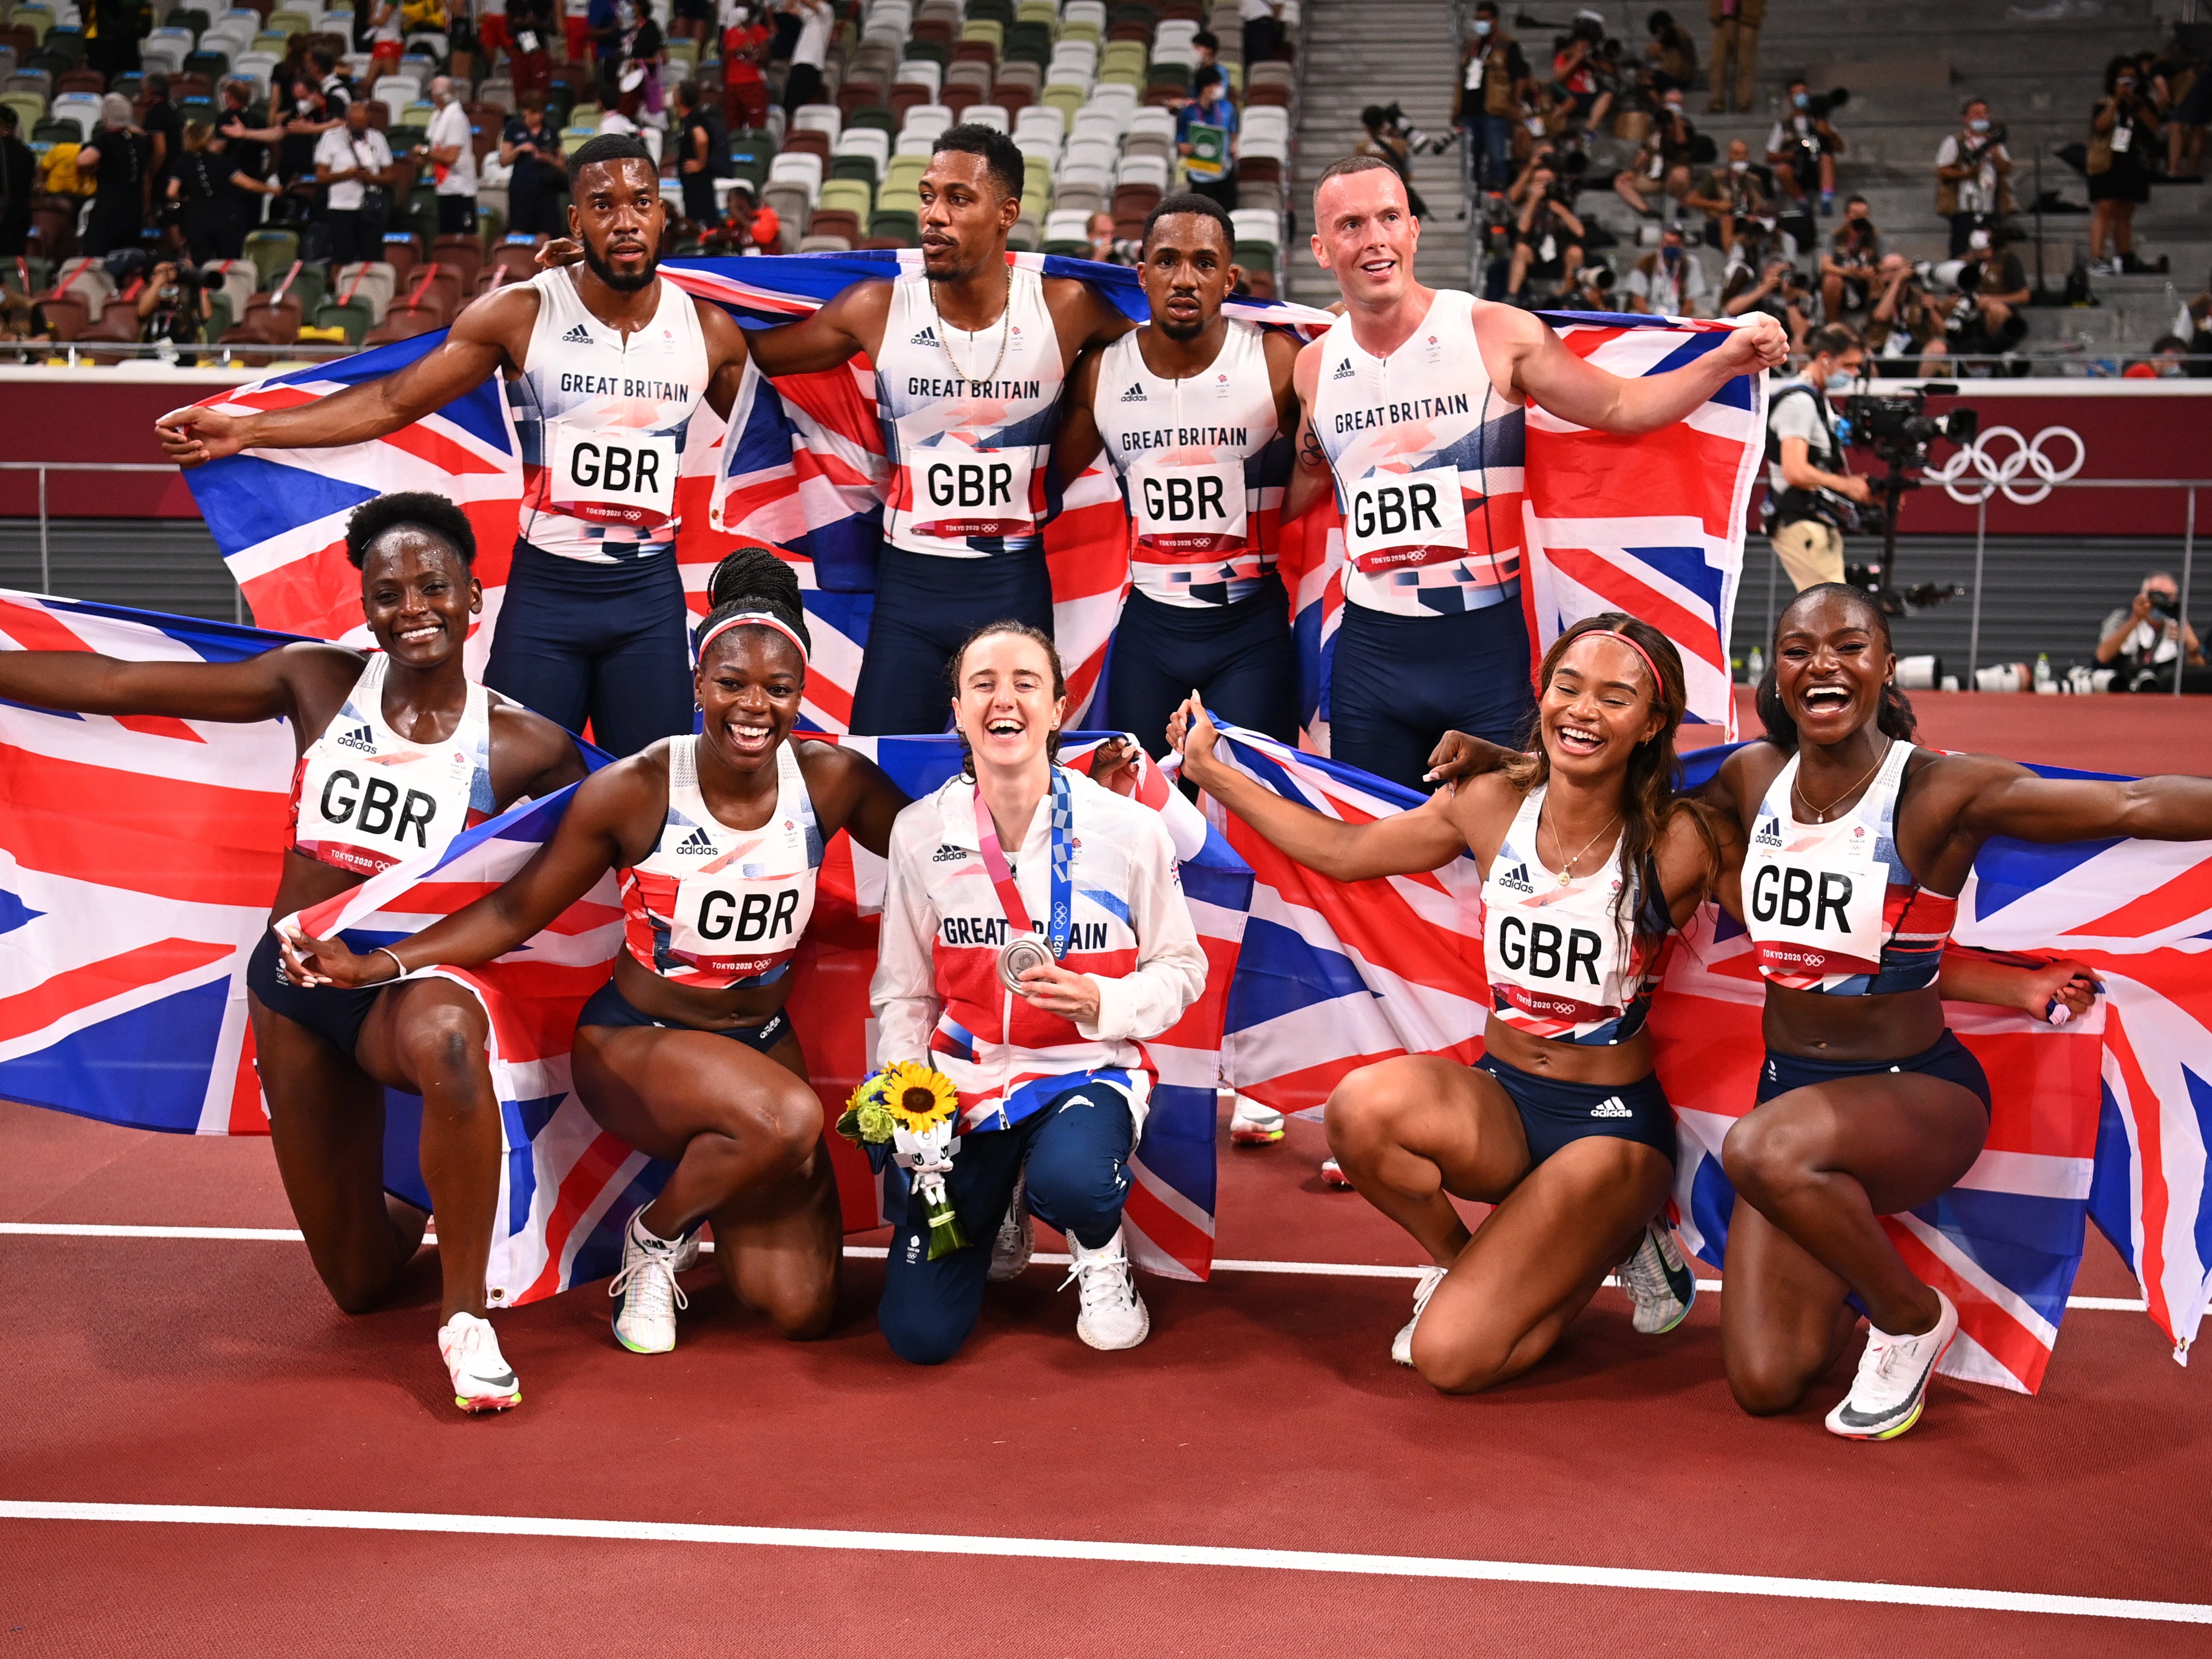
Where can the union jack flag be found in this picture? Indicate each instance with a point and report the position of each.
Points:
(2104, 1118)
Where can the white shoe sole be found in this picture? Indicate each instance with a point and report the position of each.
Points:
(1144, 1330)
(667, 1348)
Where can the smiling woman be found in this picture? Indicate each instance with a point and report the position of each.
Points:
(686, 1054)
(400, 752)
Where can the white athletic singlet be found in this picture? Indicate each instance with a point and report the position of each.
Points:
(364, 798)
(968, 455)
(1427, 457)
(1830, 907)
(1552, 951)
(715, 907)
(602, 417)
(1198, 460)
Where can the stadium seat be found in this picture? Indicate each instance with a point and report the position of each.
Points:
(374, 282)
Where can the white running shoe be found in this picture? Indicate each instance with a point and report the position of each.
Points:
(1333, 1177)
(1891, 1385)
(483, 1380)
(1658, 1280)
(1017, 1241)
(1251, 1124)
(646, 1293)
(1113, 1314)
(1402, 1346)
(687, 1251)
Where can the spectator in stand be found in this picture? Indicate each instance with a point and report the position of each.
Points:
(1803, 147)
(337, 91)
(19, 176)
(384, 41)
(492, 35)
(1661, 167)
(1205, 139)
(1262, 21)
(2122, 129)
(1579, 74)
(247, 147)
(2191, 81)
(1671, 51)
(1731, 196)
(1547, 238)
(603, 23)
(1848, 268)
(164, 130)
(576, 29)
(532, 150)
(118, 157)
(1806, 467)
(642, 53)
(1107, 248)
(692, 20)
(203, 185)
(111, 36)
(1973, 172)
(759, 229)
(450, 148)
(1669, 281)
(171, 306)
(2139, 639)
(1485, 105)
(698, 145)
(1986, 322)
(1383, 142)
(1905, 330)
(808, 54)
(1735, 41)
(1771, 283)
(529, 58)
(1204, 54)
(2193, 323)
(745, 42)
(354, 164)
(2168, 359)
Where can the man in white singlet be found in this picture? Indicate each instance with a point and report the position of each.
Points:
(1416, 414)
(1195, 412)
(604, 364)
(971, 357)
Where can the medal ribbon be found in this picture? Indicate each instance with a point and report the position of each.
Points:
(1062, 921)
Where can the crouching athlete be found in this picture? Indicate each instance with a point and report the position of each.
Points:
(1034, 937)
(400, 752)
(686, 1054)
(1589, 861)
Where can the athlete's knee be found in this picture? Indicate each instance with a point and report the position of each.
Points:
(1369, 1106)
(1766, 1153)
(1078, 1189)
(922, 1335)
(354, 1288)
(1459, 1361)
(802, 1308)
(444, 1046)
(1765, 1384)
(791, 1119)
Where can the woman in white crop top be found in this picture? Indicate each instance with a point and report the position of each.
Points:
(399, 752)
(1589, 860)
(686, 1054)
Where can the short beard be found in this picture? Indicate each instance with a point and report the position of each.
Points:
(1180, 331)
(615, 280)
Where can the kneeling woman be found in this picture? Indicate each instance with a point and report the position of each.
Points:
(1044, 1047)
(1589, 860)
(686, 1054)
(1868, 1106)
(444, 752)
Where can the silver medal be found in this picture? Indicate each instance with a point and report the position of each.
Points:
(1018, 956)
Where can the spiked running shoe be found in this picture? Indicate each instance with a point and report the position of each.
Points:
(645, 1290)
(1251, 1124)
(1017, 1240)
(1113, 1314)
(1333, 1177)
(483, 1380)
(1892, 1386)
(1658, 1281)
(1402, 1346)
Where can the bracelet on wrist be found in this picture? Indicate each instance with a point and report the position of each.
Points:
(400, 967)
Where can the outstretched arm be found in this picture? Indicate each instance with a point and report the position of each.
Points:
(259, 688)
(1403, 844)
(2001, 798)
(2058, 991)
(1556, 380)
(474, 349)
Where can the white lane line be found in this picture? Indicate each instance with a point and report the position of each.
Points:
(1182, 1555)
(876, 1253)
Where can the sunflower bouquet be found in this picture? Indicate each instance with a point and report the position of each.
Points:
(914, 1109)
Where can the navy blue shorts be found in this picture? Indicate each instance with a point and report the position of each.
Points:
(926, 606)
(1396, 684)
(1554, 1112)
(1240, 658)
(608, 1007)
(1948, 1058)
(330, 1011)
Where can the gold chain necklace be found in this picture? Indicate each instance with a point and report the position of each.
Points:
(1820, 813)
(1567, 869)
(1005, 333)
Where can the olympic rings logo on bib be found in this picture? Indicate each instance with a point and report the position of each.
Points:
(1991, 475)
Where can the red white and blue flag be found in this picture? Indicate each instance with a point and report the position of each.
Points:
(2108, 1118)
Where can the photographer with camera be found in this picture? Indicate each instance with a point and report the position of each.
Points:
(1669, 281)
(2122, 129)
(2141, 641)
(1547, 237)
(1905, 332)
(1672, 53)
(354, 162)
(1804, 145)
(1848, 268)
(1391, 141)
(1581, 73)
(1985, 321)
(172, 306)
(1973, 173)
(1764, 276)
(1805, 470)
(1661, 167)
(1731, 196)
(1486, 103)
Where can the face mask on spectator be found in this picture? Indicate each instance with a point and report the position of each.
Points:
(1801, 100)
(1979, 124)
(1838, 380)
(1482, 26)
(1978, 240)
(1671, 255)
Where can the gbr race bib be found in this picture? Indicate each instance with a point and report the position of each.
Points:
(959, 491)
(611, 475)
(1397, 519)
(1189, 509)
(1812, 902)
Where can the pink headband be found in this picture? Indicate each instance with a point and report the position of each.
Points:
(752, 619)
(1658, 685)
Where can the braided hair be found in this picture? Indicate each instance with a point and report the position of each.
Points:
(754, 577)
(1893, 719)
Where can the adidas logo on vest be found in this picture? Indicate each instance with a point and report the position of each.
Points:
(927, 337)
(1344, 371)
(697, 841)
(1135, 394)
(360, 737)
(948, 856)
(1516, 880)
(577, 335)
(1611, 1106)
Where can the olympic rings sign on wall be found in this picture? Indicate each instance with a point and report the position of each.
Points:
(1976, 472)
